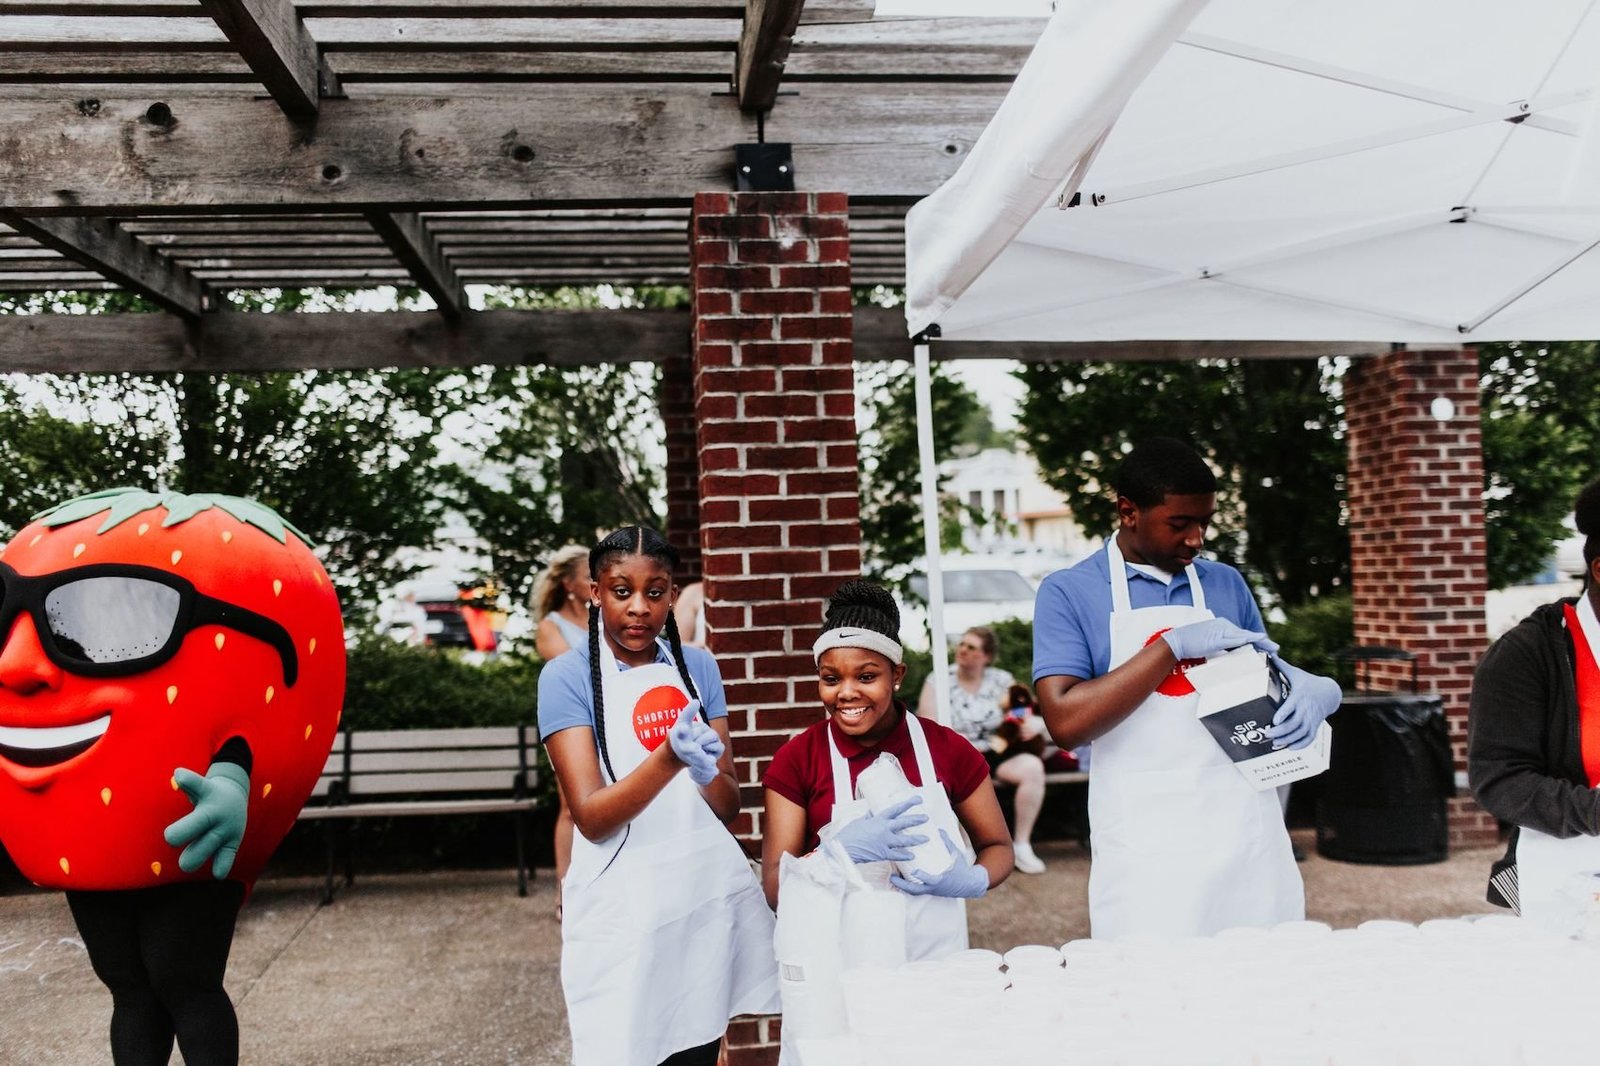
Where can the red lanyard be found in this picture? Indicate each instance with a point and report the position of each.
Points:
(1588, 685)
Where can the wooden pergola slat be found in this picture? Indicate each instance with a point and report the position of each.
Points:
(105, 248)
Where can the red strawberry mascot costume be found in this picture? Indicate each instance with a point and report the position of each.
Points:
(171, 677)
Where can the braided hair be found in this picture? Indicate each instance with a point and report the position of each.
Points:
(624, 543)
(861, 615)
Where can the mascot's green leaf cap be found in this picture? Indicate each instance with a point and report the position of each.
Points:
(123, 503)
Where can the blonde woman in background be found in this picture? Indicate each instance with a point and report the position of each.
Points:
(561, 603)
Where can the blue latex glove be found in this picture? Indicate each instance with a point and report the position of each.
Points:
(1312, 698)
(696, 744)
(1213, 636)
(883, 837)
(214, 829)
(963, 879)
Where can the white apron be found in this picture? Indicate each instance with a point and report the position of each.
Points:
(1556, 875)
(666, 934)
(1182, 845)
(936, 926)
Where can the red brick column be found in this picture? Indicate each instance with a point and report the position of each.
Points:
(675, 398)
(1416, 533)
(774, 404)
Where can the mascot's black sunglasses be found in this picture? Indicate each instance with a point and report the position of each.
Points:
(117, 619)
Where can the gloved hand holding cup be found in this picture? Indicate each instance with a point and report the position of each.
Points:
(1311, 699)
(962, 879)
(883, 837)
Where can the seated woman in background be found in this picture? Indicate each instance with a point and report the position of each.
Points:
(980, 700)
(859, 667)
(1533, 746)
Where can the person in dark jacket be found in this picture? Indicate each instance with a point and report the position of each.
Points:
(1533, 746)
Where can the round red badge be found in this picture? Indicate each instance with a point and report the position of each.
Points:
(1174, 684)
(655, 713)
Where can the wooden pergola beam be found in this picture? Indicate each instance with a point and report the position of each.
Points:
(418, 251)
(769, 28)
(597, 146)
(229, 341)
(102, 246)
(274, 42)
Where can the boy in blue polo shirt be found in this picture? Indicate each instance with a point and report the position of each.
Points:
(1182, 844)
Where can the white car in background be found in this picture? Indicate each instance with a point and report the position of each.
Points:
(979, 590)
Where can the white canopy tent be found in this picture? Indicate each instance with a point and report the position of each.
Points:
(1411, 171)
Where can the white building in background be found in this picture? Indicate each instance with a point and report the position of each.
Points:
(1018, 510)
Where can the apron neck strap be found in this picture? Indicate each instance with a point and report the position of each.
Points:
(1120, 600)
(841, 770)
(919, 744)
(842, 792)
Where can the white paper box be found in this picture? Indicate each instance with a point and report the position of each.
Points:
(1238, 696)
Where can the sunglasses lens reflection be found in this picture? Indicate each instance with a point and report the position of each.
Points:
(112, 619)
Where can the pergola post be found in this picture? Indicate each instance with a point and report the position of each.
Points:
(1416, 533)
(774, 407)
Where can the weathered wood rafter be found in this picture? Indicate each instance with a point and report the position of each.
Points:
(418, 251)
(103, 247)
(274, 42)
(394, 151)
(764, 43)
(230, 341)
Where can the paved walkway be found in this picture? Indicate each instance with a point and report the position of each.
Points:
(452, 967)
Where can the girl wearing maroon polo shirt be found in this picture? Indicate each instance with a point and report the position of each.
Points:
(858, 669)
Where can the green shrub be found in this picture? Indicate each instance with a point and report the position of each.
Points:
(396, 686)
(1311, 633)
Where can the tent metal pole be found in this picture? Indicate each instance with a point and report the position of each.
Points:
(921, 361)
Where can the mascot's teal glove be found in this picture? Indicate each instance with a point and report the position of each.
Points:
(1201, 640)
(696, 744)
(963, 879)
(1311, 699)
(215, 828)
(883, 837)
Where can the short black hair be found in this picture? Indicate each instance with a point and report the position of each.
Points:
(1159, 467)
(1586, 513)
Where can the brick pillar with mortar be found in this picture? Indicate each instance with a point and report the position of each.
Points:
(1417, 543)
(675, 399)
(774, 407)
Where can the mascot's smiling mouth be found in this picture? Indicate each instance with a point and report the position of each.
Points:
(50, 745)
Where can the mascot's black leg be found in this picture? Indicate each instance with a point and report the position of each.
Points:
(185, 934)
(141, 1028)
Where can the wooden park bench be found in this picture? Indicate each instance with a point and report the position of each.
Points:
(404, 773)
(1080, 803)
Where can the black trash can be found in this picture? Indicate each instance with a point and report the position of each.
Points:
(1382, 799)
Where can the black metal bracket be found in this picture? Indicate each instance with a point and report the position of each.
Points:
(765, 167)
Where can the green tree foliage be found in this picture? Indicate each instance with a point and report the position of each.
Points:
(566, 451)
(1541, 437)
(1270, 428)
(891, 485)
(351, 457)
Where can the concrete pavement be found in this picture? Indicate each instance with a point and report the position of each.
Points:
(451, 967)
